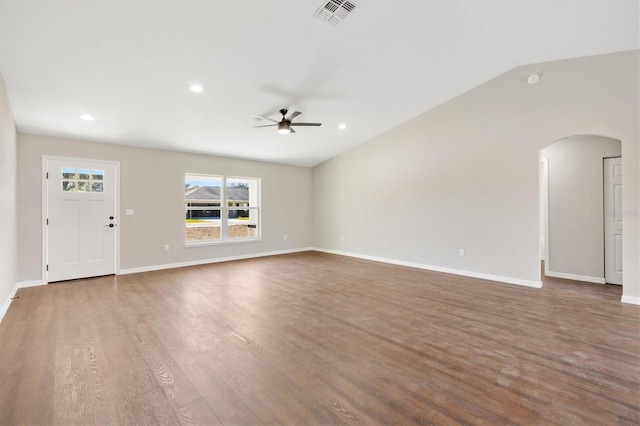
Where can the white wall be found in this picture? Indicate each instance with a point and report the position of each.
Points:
(575, 212)
(152, 183)
(8, 211)
(465, 174)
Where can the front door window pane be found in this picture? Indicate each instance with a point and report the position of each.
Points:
(82, 180)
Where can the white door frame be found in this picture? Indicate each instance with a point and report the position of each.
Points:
(545, 207)
(45, 208)
(607, 248)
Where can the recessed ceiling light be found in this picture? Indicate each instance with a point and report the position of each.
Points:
(196, 88)
(342, 126)
(533, 78)
(86, 117)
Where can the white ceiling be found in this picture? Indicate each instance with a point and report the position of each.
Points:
(130, 64)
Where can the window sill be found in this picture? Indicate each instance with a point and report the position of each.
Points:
(218, 243)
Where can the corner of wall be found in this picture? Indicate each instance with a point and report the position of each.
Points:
(8, 202)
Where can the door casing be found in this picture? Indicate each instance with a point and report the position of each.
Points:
(45, 201)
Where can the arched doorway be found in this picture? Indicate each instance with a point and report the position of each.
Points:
(572, 214)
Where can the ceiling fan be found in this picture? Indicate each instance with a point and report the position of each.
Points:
(286, 124)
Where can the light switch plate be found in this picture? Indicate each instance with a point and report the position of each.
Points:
(128, 212)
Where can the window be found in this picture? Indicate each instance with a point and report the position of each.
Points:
(82, 180)
(221, 209)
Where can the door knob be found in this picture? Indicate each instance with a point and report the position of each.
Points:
(111, 225)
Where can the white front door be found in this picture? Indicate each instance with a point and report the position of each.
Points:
(80, 219)
(613, 220)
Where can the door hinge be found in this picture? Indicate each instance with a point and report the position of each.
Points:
(47, 175)
(47, 221)
(47, 268)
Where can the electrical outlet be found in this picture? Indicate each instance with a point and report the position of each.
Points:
(461, 252)
(286, 237)
(342, 238)
(166, 247)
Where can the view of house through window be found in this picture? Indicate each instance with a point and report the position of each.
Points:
(219, 208)
(82, 180)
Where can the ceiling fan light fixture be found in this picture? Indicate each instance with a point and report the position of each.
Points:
(284, 128)
(285, 125)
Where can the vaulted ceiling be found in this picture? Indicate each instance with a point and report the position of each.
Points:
(130, 64)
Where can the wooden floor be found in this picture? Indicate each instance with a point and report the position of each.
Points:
(313, 338)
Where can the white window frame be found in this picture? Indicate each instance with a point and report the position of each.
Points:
(224, 212)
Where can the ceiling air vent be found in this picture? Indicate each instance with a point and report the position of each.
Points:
(334, 11)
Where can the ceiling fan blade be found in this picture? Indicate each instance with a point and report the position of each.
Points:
(264, 118)
(306, 124)
(267, 125)
(294, 115)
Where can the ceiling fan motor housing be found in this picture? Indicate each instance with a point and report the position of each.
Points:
(284, 126)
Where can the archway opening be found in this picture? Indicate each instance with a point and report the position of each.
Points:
(572, 208)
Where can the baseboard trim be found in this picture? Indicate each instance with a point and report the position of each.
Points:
(497, 278)
(207, 261)
(26, 284)
(18, 286)
(5, 308)
(631, 300)
(585, 278)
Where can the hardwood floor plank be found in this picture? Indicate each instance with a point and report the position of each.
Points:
(178, 389)
(28, 410)
(153, 408)
(316, 339)
(136, 395)
(247, 417)
(219, 397)
(9, 385)
(260, 400)
(35, 313)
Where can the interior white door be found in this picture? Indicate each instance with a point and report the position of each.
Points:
(81, 219)
(613, 220)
